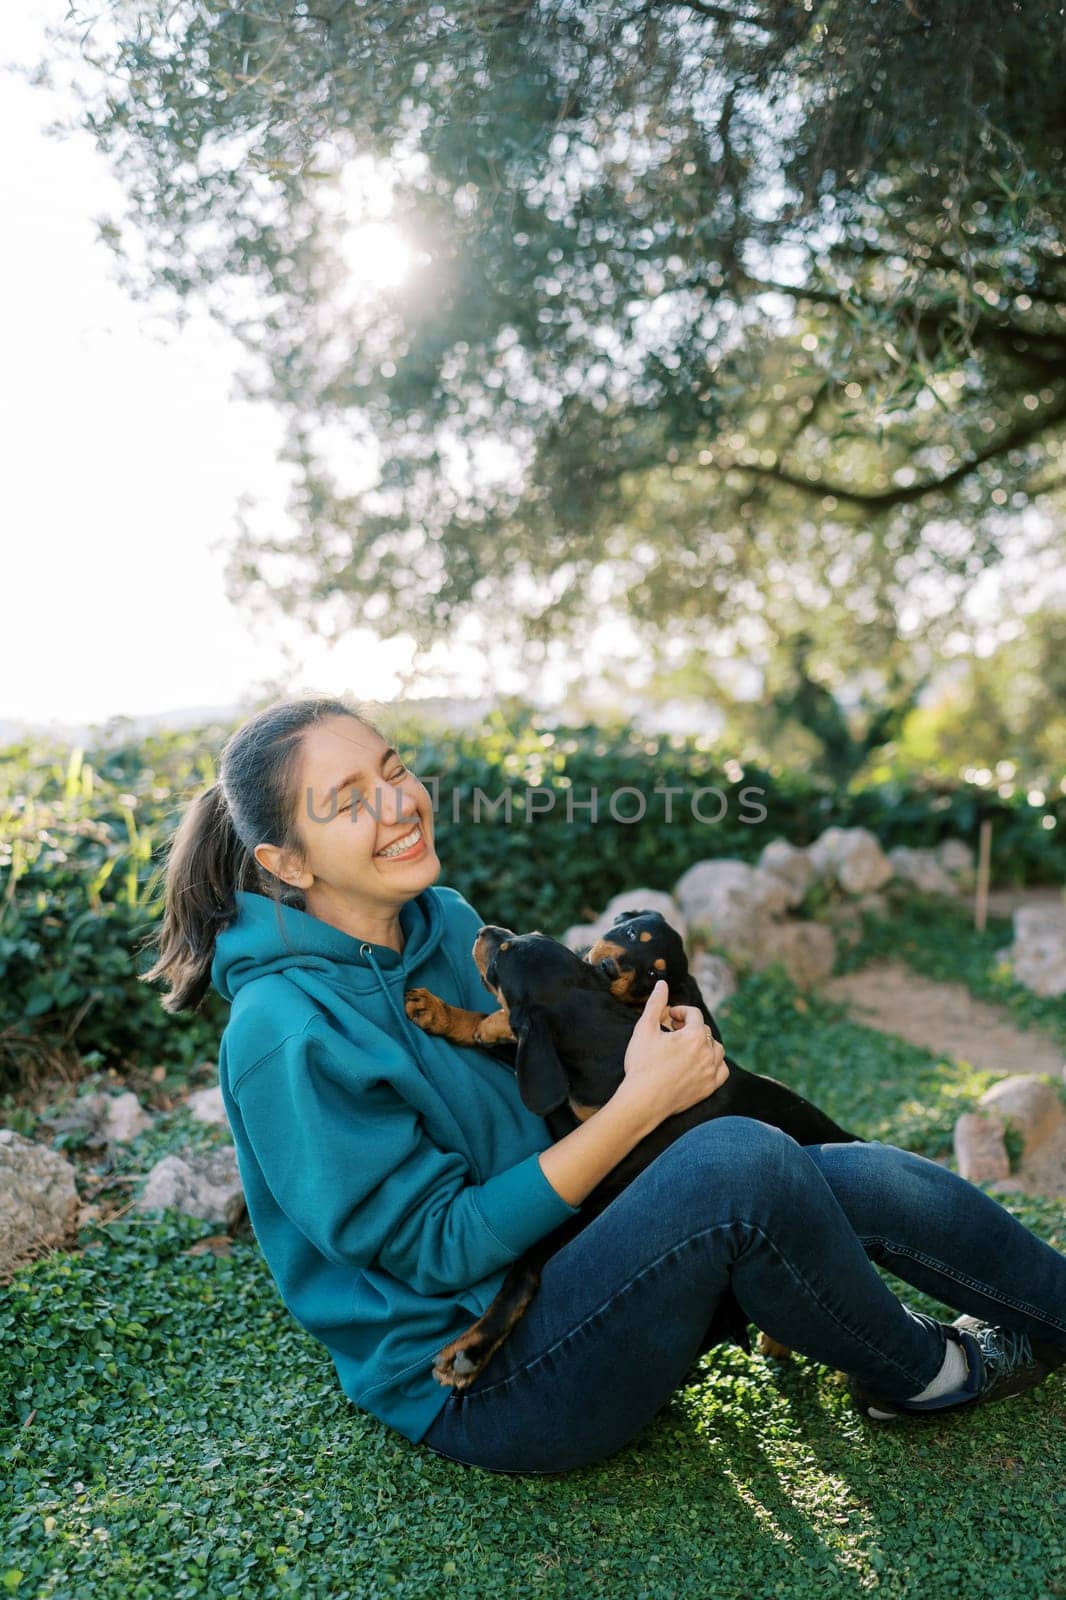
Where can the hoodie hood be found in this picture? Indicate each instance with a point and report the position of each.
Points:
(265, 938)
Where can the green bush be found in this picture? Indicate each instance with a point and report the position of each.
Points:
(80, 839)
(82, 835)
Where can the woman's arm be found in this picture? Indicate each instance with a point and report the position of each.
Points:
(348, 1160)
(579, 1161)
(665, 1073)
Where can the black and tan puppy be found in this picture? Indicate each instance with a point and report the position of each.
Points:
(565, 1021)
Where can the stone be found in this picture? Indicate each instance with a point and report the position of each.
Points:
(38, 1199)
(956, 857)
(789, 862)
(922, 869)
(714, 977)
(107, 1118)
(852, 857)
(123, 1118)
(732, 903)
(206, 1105)
(202, 1183)
(1038, 954)
(979, 1148)
(806, 950)
(1033, 1105)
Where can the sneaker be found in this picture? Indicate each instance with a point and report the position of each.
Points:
(1014, 1361)
(1000, 1363)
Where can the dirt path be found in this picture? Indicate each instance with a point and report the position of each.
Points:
(1004, 902)
(946, 1019)
(942, 1017)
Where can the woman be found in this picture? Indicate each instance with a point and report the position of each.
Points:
(392, 1177)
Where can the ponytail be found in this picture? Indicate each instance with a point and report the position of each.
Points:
(212, 853)
(206, 865)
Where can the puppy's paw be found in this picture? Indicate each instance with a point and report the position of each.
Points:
(458, 1364)
(773, 1348)
(424, 1008)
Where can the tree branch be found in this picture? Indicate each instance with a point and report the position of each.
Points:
(994, 330)
(718, 13)
(1022, 433)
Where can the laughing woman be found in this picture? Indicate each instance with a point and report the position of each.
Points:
(392, 1177)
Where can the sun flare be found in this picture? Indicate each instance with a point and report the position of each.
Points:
(376, 255)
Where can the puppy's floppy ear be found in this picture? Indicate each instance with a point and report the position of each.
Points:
(541, 1079)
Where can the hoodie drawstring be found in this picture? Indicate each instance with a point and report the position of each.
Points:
(404, 1020)
(418, 1041)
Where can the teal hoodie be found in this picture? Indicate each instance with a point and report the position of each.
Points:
(391, 1177)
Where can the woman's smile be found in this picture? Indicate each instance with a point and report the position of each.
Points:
(414, 841)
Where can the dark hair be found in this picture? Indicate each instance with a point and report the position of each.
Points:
(210, 855)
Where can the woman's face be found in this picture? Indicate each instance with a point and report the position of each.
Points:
(357, 798)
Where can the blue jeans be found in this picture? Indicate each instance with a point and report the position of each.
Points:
(624, 1309)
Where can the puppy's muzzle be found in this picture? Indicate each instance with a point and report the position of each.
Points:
(489, 942)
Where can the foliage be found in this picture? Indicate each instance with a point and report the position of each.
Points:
(83, 836)
(741, 320)
(1004, 711)
(78, 834)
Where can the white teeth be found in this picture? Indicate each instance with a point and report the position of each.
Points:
(401, 845)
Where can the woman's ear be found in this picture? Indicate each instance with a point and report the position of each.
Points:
(541, 1079)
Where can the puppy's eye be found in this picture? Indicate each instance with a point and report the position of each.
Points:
(631, 933)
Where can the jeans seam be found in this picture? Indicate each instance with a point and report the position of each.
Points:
(475, 1394)
(970, 1283)
(525, 1472)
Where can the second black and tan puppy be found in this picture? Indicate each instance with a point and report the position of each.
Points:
(565, 1020)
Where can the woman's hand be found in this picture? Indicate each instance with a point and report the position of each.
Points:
(669, 1072)
(664, 1073)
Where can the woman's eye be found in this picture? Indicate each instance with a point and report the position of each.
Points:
(401, 772)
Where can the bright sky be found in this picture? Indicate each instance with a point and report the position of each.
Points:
(124, 457)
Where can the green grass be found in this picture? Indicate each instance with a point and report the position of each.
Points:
(167, 1430)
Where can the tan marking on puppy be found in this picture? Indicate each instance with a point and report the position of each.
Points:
(481, 954)
(659, 964)
(458, 1364)
(645, 936)
(436, 1016)
(582, 1113)
(495, 1029)
(601, 949)
(431, 1014)
(598, 952)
